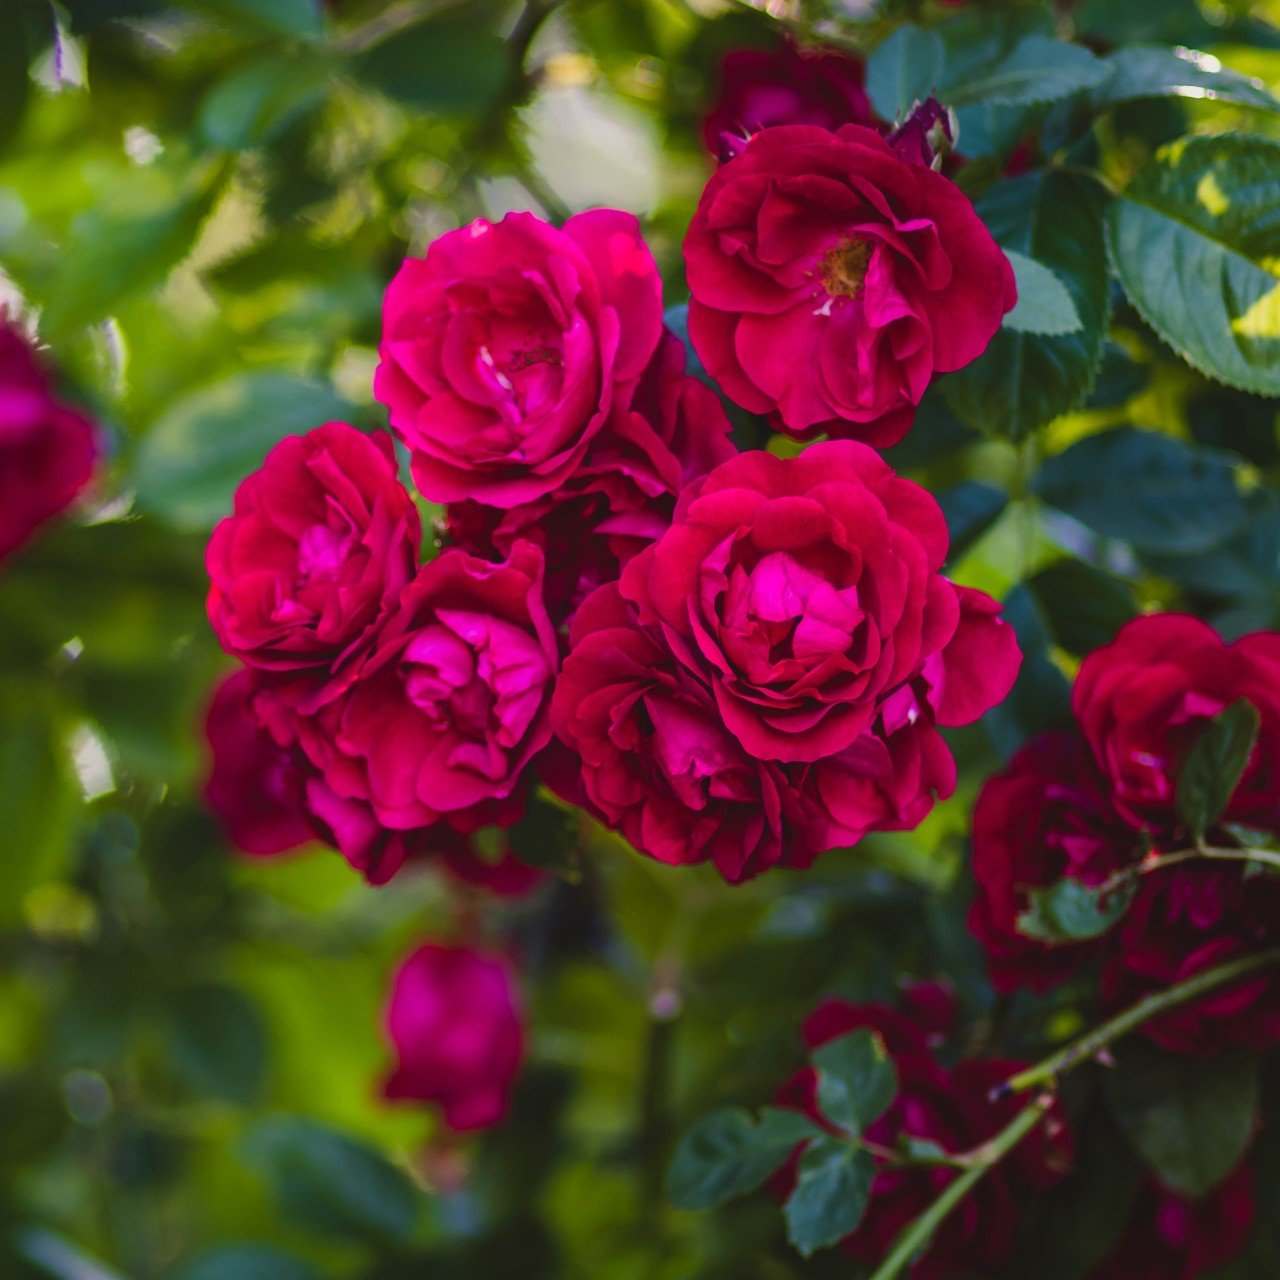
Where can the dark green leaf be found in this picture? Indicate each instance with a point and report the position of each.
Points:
(1083, 606)
(257, 101)
(332, 1183)
(192, 459)
(450, 66)
(1023, 381)
(1190, 1119)
(1070, 911)
(970, 509)
(247, 1262)
(1044, 306)
(298, 18)
(1038, 69)
(833, 1185)
(1157, 71)
(903, 68)
(1149, 489)
(1212, 768)
(856, 1080)
(1196, 245)
(728, 1154)
(218, 1042)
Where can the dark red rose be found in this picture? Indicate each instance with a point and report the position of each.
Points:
(323, 538)
(1187, 919)
(255, 788)
(1044, 818)
(805, 593)
(1171, 1237)
(455, 1023)
(831, 279)
(784, 85)
(666, 431)
(1143, 700)
(441, 718)
(951, 1109)
(504, 349)
(47, 450)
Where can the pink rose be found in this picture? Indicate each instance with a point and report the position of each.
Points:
(455, 1023)
(323, 538)
(669, 429)
(785, 85)
(1144, 699)
(831, 279)
(806, 594)
(1044, 818)
(47, 450)
(442, 716)
(255, 788)
(503, 350)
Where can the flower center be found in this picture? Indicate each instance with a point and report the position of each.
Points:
(322, 552)
(844, 268)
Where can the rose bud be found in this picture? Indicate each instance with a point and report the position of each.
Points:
(455, 1023)
(504, 349)
(830, 279)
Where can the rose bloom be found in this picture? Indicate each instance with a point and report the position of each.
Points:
(1187, 919)
(1172, 1237)
(443, 715)
(784, 85)
(806, 594)
(1044, 818)
(255, 788)
(1144, 699)
(669, 429)
(504, 349)
(946, 1107)
(47, 450)
(455, 1023)
(830, 279)
(657, 763)
(323, 538)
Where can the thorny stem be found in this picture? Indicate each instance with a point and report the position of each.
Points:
(1211, 853)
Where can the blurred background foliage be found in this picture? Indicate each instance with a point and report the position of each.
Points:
(200, 204)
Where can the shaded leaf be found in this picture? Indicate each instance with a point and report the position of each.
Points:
(1044, 306)
(1083, 606)
(970, 508)
(856, 1080)
(1037, 69)
(1070, 911)
(449, 66)
(833, 1185)
(903, 68)
(1213, 767)
(247, 1262)
(218, 1041)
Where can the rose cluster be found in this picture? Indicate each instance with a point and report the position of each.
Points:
(1098, 806)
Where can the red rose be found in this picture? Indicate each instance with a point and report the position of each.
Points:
(669, 429)
(454, 1021)
(805, 593)
(441, 717)
(831, 279)
(951, 1109)
(254, 787)
(763, 87)
(47, 450)
(323, 538)
(1172, 1237)
(1187, 919)
(1143, 700)
(504, 348)
(1043, 819)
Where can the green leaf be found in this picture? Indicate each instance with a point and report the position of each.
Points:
(833, 1185)
(728, 1154)
(1070, 911)
(332, 1183)
(970, 508)
(298, 18)
(902, 69)
(1083, 606)
(1044, 306)
(1023, 381)
(1157, 71)
(1149, 489)
(1196, 245)
(856, 1080)
(258, 101)
(192, 459)
(1190, 1119)
(451, 66)
(218, 1042)
(1037, 69)
(1213, 767)
(247, 1262)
